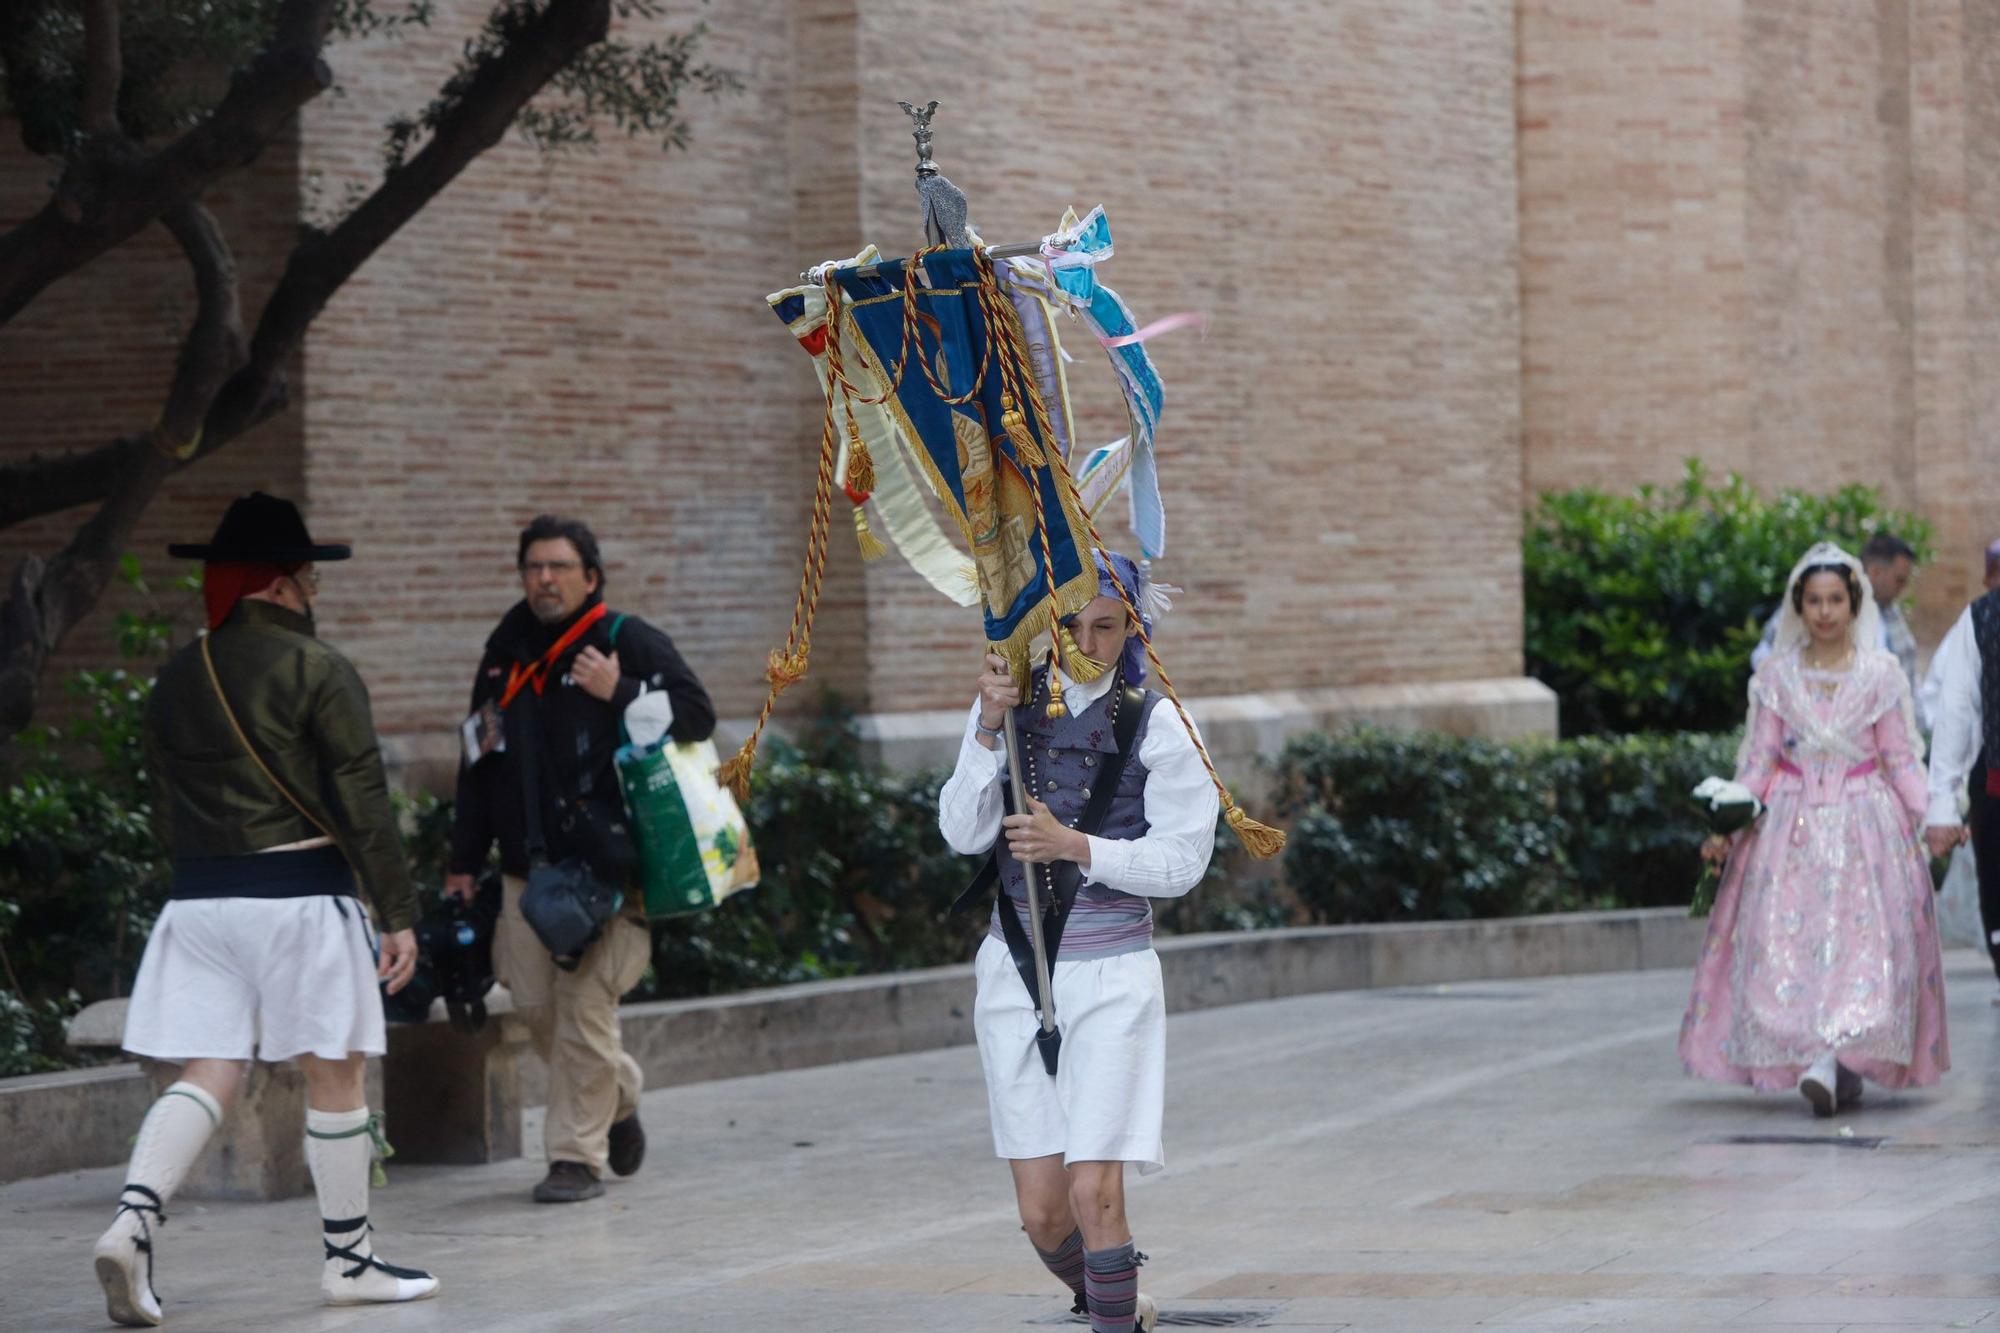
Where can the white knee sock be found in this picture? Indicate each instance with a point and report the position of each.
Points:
(340, 1147)
(175, 1131)
(172, 1136)
(340, 1151)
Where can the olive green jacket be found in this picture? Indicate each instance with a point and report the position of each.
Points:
(306, 711)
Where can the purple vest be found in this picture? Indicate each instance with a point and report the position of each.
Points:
(1060, 759)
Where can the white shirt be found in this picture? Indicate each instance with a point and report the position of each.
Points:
(1957, 728)
(1932, 689)
(1181, 803)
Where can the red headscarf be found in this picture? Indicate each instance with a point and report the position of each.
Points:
(225, 583)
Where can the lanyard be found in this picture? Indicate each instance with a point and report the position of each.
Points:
(536, 673)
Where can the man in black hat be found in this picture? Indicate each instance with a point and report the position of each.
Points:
(269, 792)
(561, 657)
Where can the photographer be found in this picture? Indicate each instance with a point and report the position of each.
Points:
(558, 674)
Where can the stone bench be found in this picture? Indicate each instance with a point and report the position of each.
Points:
(444, 1097)
(455, 1098)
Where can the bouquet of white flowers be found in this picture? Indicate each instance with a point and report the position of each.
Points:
(1727, 807)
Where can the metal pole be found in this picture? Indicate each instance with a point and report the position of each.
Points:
(1046, 1008)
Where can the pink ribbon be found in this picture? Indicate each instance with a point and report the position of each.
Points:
(1185, 319)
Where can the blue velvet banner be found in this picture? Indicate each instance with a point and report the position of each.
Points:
(974, 466)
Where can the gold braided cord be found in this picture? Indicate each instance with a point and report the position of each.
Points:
(1001, 328)
(787, 666)
(911, 339)
(1260, 840)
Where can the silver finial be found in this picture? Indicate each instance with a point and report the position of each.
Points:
(920, 118)
(945, 220)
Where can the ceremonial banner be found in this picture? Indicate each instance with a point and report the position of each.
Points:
(898, 496)
(983, 450)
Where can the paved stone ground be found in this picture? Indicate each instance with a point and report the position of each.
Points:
(1491, 1155)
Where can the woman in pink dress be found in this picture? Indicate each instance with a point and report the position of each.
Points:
(1821, 963)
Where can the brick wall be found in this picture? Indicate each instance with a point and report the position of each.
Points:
(590, 335)
(1334, 186)
(584, 334)
(1751, 232)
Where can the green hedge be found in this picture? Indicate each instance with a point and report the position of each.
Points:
(1391, 827)
(856, 876)
(1641, 610)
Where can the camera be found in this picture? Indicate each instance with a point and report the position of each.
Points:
(454, 961)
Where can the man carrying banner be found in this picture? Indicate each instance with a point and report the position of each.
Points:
(1123, 810)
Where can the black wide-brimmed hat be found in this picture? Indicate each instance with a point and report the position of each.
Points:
(264, 529)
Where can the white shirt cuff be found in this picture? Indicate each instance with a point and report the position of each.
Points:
(1108, 860)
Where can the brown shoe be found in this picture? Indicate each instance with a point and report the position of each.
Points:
(628, 1145)
(568, 1182)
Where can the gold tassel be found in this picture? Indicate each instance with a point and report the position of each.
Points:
(785, 671)
(860, 463)
(1260, 840)
(1082, 668)
(1057, 708)
(1011, 421)
(864, 537)
(735, 771)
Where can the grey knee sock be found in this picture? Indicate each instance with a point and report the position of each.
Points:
(1066, 1261)
(1111, 1286)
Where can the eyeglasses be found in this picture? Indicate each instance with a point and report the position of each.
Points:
(536, 568)
(308, 579)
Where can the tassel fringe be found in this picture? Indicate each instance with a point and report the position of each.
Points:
(1016, 426)
(735, 771)
(864, 537)
(860, 464)
(1260, 840)
(1080, 668)
(784, 671)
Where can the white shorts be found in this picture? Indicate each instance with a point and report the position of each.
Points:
(1106, 1102)
(224, 978)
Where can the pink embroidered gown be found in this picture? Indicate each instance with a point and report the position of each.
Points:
(1824, 936)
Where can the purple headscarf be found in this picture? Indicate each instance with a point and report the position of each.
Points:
(1132, 663)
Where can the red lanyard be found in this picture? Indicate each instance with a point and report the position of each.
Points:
(537, 672)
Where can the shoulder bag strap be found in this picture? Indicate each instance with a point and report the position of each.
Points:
(208, 660)
(530, 741)
(1067, 875)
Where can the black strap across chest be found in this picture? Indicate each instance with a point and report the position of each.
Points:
(1067, 875)
(526, 740)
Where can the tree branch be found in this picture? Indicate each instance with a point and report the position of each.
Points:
(256, 390)
(45, 602)
(103, 68)
(213, 349)
(43, 484)
(492, 98)
(108, 192)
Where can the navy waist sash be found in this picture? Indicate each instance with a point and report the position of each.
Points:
(306, 873)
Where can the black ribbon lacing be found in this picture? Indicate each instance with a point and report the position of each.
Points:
(151, 1203)
(362, 1262)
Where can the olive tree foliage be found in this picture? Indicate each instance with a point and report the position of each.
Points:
(143, 106)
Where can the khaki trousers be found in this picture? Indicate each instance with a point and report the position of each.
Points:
(572, 1019)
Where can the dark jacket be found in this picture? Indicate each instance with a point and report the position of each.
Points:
(579, 734)
(304, 708)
